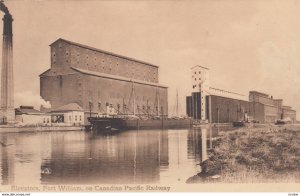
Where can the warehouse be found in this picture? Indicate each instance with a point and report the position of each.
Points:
(97, 79)
(220, 106)
(27, 115)
(225, 110)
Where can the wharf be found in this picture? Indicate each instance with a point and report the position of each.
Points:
(15, 129)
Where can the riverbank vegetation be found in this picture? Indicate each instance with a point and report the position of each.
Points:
(253, 155)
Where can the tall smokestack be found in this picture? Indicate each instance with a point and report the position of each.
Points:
(7, 80)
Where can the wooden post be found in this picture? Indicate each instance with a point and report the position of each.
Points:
(210, 137)
(203, 141)
(218, 119)
(90, 107)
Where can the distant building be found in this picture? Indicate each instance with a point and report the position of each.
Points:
(95, 79)
(267, 109)
(70, 114)
(220, 106)
(27, 115)
(200, 80)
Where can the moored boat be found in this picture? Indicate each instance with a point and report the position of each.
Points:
(238, 124)
(106, 124)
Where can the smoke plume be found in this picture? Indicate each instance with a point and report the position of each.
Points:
(30, 99)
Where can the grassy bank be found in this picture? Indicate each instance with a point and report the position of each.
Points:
(269, 154)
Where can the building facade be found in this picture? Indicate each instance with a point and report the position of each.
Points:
(220, 106)
(27, 115)
(226, 110)
(200, 80)
(95, 79)
(70, 114)
(271, 109)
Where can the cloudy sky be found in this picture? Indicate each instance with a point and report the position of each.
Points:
(248, 45)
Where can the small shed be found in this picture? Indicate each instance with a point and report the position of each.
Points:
(71, 114)
(27, 115)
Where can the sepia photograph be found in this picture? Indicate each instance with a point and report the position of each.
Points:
(149, 96)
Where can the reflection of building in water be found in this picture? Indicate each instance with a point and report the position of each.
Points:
(20, 162)
(27, 159)
(163, 149)
(7, 167)
(128, 157)
(220, 106)
(194, 144)
(198, 143)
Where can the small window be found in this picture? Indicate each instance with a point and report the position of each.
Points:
(75, 117)
(80, 118)
(48, 120)
(44, 120)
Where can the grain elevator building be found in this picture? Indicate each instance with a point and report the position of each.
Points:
(101, 81)
(219, 106)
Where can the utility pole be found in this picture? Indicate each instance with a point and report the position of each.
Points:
(177, 102)
(133, 90)
(157, 101)
(147, 109)
(123, 106)
(90, 107)
(218, 119)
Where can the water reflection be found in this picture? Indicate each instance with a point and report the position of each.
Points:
(143, 156)
(7, 168)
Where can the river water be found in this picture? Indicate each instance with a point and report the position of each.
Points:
(77, 157)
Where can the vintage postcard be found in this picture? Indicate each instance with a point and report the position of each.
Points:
(150, 96)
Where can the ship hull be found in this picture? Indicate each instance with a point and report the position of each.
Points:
(103, 124)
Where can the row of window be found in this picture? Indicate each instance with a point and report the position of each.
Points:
(118, 95)
(46, 120)
(119, 106)
(75, 118)
(126, 67)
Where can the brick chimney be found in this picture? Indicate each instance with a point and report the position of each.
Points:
(7, 79)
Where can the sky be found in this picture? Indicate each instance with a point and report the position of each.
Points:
(247, 45)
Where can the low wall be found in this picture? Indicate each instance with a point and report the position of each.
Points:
(12, 129)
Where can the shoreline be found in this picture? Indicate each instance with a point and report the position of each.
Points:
(27, 129)
(253, 154)
(225, 127)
